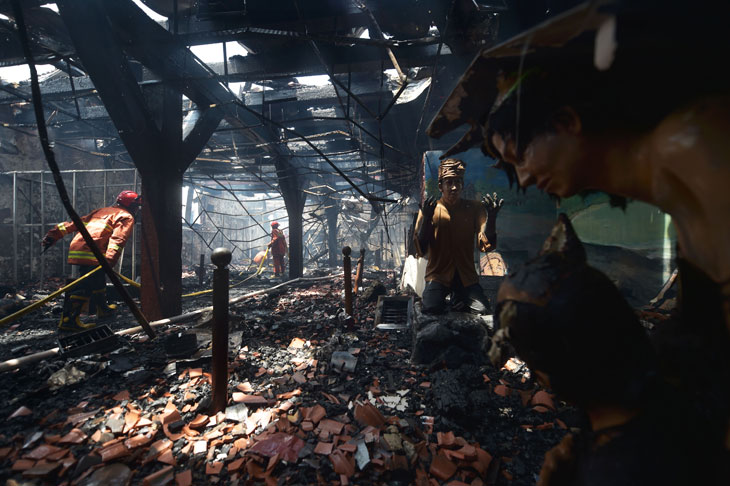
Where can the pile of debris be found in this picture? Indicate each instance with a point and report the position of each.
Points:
(316, 397)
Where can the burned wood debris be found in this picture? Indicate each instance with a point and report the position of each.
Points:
(314, 398)
(297, 165)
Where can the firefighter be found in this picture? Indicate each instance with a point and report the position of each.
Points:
(110, 228)
(278, 248)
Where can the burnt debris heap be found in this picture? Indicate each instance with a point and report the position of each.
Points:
(263, 142)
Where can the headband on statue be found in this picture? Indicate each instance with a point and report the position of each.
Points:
(451, 168)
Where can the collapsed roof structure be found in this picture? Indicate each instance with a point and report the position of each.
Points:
(128, 92)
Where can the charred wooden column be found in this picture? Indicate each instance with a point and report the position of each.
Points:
(161, 245)
(346, 264)
(201, 270)
(294, 198)
(221, 257)
(379, 253)
(331, 212)
(358, 273)
(106, 36)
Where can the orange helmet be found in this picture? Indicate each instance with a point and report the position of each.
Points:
(274, 224)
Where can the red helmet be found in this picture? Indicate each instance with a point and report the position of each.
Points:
(274, 224)
(129, 199)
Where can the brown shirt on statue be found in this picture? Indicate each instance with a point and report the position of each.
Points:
(452, 248)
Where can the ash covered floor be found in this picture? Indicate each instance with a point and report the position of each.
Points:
(295, 416)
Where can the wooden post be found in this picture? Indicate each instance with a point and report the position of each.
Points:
(201, 270)
(359, 272)
(348, 279)
(221, 257)
(379, 253)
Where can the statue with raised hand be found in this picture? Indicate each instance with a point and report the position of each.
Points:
(488, 235)
(445, 231)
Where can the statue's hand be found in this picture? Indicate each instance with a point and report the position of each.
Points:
(428, 208)
(492, 205)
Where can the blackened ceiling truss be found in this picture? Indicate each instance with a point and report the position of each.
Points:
(286, 39)
(248, 118)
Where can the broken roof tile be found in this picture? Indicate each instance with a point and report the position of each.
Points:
(200, 447)
(22, 411)
(130, 420)
(324, 448)
(249, 399)
(331, 398)
(170, 435)
(58, 455)
(236, 464)
(23, 464)
(316, 414)
(297, 343)
(446, 439)
(468, 451)
(481, 463)
(331, 426)
(213, 468)
(543, 398)
(138, 441)
(167, 458)
(502, 390)
(41, 452)
(199, 422)
(75, 436)
(160, 478)
(170, 415)
(367, 414)
(287, 395)
(441, 467)
(287, 446)
(342, 463)
(184, 478)
(121, 396)
(42, 470)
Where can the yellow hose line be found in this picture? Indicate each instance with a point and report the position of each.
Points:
(34, 305)
(198, 293)
(258, 272)
(261, 263)
(128, 280)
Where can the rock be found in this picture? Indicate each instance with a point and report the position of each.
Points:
(454, 338)
(69, 375)
(372, 291)
(10, 306)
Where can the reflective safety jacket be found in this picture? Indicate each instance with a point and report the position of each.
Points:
(278, 242)
(109, 227)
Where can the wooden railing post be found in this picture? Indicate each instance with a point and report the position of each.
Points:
(359, 272)
(201, 270)
(221, 257)
(348, 279)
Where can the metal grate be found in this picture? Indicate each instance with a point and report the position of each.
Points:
(99, 340)
(394, 312)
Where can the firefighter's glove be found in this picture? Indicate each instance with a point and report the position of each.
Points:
(47, 242)
(492, 205)
(428, 208)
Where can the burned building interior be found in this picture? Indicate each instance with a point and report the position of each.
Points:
(271, 163)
